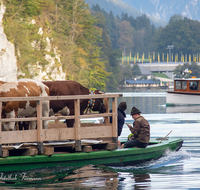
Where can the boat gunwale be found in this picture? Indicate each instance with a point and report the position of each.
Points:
(184, 93)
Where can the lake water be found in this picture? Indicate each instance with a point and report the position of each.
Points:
(175, 170)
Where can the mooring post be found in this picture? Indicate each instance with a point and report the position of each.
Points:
(1, 152)
(39, 127)
(106, 102)
(114, 123)
(77, 124)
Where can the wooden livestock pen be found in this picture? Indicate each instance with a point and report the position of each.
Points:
(105, 132)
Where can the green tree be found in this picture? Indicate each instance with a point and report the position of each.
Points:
(180, 32)
(194, 67)
(136, 70)
(109, 56)
(69, 26)
(125, 36)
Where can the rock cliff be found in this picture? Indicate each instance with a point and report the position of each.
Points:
(8, 61)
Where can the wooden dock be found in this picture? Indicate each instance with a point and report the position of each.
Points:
(57, 131)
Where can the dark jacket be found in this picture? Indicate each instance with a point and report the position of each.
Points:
(141, 129)
(120, 120)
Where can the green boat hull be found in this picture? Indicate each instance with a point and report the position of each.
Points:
(118, 157)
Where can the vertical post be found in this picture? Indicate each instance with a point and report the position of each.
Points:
(107, 119)
(77, 125)
(114, 123)
(1, 153)
(39, 127)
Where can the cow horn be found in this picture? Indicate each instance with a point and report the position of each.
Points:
(101, 92)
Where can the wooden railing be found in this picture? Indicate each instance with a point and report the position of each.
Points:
(62, 133)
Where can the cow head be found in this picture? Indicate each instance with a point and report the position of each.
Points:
(99, 105)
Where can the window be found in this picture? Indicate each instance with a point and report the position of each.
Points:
(181, 85)
(194, 85)
(178, 85)
(184, 85)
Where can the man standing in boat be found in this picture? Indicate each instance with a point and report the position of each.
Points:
(140, 130)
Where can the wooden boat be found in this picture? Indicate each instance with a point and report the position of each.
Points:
(117, 157)
(185, 92)
(39, 155)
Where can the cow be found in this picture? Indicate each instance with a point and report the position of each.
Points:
(23, 88)
(63, 88)
(2, 82)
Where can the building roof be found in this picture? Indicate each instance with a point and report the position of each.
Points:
(129, 81)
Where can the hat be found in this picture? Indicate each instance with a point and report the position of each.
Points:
(134, 110)
(122, 106)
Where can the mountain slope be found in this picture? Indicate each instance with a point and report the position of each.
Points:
(118, 7)
(164, 9)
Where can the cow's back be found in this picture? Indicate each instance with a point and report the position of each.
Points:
(34, 87)
(65, 88)
(58, 88)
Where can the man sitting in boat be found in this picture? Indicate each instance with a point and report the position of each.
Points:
(140, 130)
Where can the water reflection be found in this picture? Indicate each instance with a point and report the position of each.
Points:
(89, 176)
(142, 181)
(183, 109)
(134, 181)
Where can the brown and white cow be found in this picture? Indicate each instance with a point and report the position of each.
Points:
(59, 88)
(23, 88)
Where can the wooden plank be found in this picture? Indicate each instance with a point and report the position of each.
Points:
(57, 125)
(77, 125)
(58, 117)
(107, 119)
(19, 136)
(87, 149)
(48, 151)
(19, 119)
(92, 124)
(110, 146)
(77, 120)
(5, 153)
(114, 117)
(1, 151)
(56, 134)
(96, 132)
(31, 151)
(39, 127)
(95, 115)
(73, 97)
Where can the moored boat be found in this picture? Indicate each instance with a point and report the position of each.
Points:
(185, 92)
(117, 157)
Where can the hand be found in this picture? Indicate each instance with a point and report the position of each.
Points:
(128, 125)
